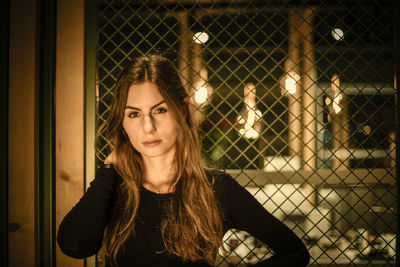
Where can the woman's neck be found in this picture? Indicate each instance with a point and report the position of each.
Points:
(158, 175)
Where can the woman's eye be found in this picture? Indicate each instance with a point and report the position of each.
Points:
(133, 114)
(160, 110)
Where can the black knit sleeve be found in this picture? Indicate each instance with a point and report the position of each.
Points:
(81, 231)
(242, 211)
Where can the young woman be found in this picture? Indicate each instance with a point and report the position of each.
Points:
(153, 203)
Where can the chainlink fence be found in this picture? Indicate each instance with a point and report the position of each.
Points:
(295, 99)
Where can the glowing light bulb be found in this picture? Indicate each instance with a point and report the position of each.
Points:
(336, 102)
(251, 134)
(327, 101)
(290, 85)
(249, 117)
(200, 37)
(201, 94)
(291, 82)
(337, 34)
(367, 130)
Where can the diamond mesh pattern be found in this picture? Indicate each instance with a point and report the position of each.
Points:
(294, 98)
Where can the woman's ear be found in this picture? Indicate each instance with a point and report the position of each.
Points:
(187, 107)
(187, 100)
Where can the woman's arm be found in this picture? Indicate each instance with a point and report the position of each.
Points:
(245, 213)
(81, 231)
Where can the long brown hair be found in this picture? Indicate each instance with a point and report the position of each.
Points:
(192, 228)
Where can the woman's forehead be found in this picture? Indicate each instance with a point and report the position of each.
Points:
(143, 94)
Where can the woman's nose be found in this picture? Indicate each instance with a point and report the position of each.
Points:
(148, 125)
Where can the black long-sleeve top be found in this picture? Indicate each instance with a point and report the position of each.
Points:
(81, 232)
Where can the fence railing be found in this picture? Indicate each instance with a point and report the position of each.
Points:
(294, 98)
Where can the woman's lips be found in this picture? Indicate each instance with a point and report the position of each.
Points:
(151, 143)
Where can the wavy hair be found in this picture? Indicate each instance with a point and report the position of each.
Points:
(193, 227)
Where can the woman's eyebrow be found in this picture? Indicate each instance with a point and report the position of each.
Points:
(130, 107)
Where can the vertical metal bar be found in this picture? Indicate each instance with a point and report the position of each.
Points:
(4, 43)
(197, 59)
(45, 236)
(396, 49)
(184, 52)
(292, 70)
(91, 7)
(309, 78)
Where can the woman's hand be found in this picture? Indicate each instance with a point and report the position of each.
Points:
(111, 158)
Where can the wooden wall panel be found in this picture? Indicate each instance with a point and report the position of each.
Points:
(69, 107)
(22, 133)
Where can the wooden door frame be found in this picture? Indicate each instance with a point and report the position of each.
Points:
(4, 68)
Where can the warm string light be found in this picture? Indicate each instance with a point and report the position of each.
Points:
(203, 90)
(250, 116)
(337, 34)
(200, 37)
(337, 95)
(291, 80)
(201, 95)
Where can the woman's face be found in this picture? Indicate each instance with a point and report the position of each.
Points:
(148, 122)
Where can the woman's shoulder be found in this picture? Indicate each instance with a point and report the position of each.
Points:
(220, 179)
(108, 171)
(106, 168)
(215, 174)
